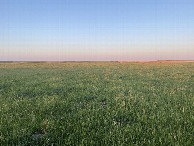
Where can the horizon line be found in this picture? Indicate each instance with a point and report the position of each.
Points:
(88, 60)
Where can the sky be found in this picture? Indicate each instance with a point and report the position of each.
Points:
(96, 30)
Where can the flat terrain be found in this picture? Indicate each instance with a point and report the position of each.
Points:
(159, 61)
(96, 103)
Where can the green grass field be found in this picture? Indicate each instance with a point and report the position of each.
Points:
(96, 103)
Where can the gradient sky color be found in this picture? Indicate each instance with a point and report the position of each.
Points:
(96, 30)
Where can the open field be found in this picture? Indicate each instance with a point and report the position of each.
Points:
(96, 103)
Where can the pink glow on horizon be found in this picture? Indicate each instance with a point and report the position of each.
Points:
(117, 52)
(82, 56)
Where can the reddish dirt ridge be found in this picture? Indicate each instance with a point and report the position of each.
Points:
(159, 61)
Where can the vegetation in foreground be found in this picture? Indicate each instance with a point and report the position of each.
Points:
(96, 103)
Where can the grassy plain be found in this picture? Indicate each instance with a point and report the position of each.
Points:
(96, 103)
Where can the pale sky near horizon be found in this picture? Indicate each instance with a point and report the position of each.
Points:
(103, 30)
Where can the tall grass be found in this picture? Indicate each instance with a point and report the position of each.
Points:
(96, 103)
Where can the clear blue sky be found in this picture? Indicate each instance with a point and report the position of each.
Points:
(96, 29)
